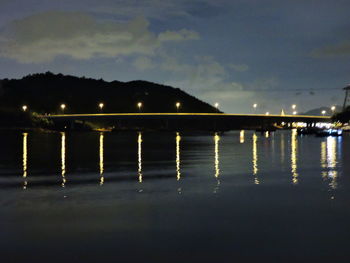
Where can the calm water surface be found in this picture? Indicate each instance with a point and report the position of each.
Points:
(174, 197)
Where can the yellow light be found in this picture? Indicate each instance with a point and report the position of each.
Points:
(178, 160)
(267, 134)
(323, 112)
(63, 106)
(294, 156)
(63, 158)
(267, 113)
(333, 108)
(332, 161)
(101, 163)
(24, 107)
(255, 159)
(139, 105)
(294, 113)
(216, 105)
(255, 105)
(101, 105)
(216, 162)
(139, 155)
(294, 106)
(241, 136)
(178, 104)
(25, 159)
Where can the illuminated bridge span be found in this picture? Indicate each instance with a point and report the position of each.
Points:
(206, 121)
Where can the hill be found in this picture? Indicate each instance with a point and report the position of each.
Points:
(44, 93)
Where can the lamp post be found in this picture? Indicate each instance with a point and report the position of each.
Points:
(101, 105)
(217, 106)
(63, 107)
(333, 108)
(139, 106)
(254, 107)
(24, 108)
(177, 105)
(323, 112)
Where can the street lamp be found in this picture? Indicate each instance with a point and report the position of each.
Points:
(101, 105)
(294, 106)
(333, 109)
(216, 106)
(323, 112)
(24, 108)
(267, 113)
(178, 104)
(254, 107)
(139, 106)
(63, 106)
(294, 113)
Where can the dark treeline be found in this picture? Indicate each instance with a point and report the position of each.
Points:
(43, 93)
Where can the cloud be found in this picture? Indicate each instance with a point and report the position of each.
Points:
(342, 49)
(239, 67)
(42, 37)
(143, 63)
(182, 35)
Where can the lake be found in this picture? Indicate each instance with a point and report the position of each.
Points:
(174, 197)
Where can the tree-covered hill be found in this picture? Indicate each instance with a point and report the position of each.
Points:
(44, 93)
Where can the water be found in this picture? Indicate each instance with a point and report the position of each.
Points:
(174, 197)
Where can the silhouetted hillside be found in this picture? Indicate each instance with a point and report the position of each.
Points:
(43, 93)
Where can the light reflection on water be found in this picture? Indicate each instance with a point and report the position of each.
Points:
(216, 162)
(251, 176)
(241, 136)
(25, 160)
(178, 159)
(329, 160)
(101, 155)
(329, 151)
(294, 156)
(63, 159)
(139, 156)
(255, 159)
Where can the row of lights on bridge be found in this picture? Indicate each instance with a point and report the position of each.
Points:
(101, 106)
(323, 112)
(178, 105)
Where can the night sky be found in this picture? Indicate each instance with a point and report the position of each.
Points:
(236, 52)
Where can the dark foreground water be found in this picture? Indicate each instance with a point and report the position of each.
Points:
(167, 197)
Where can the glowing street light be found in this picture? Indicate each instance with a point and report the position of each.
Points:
(101, 105)
(216, 106)
(139, 106)
(333, 108)
(178, 104)
(294, 106)
(63, 107)
(24, 108)
(267, 113)
(254, 107)
(323, 112)
(294, 113)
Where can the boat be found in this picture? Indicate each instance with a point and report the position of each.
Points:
(329, 132)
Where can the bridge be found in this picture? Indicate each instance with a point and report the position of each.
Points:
(199, 121)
